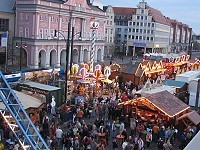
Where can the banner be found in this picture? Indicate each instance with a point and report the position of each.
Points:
(4, 39)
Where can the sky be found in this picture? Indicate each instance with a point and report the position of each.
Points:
(185, 11)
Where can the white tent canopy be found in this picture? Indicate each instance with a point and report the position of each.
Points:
(194, 143)
(26, 100)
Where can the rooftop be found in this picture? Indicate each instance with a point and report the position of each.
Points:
(7, 6)
(189, 74)
(177, 84)
(167, 103)
(40, 86)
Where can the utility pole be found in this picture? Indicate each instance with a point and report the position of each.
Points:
(197, 95)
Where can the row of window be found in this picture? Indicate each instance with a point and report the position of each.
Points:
(145, 24)
(43, 18)
(151, 39)
(141, 31)
(21, 32)
(141, 17)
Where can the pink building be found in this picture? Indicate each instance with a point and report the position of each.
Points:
(37, 20)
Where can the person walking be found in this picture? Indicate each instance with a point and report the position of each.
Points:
(140, 144)
(149, 138)
(59, 134)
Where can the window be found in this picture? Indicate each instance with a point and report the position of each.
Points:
(136, 37)
(130, 23)
(138, 23)
(21, 16)
(40, 33)
(106, 31)
(138, 17)
(142, 11)
(152, 24)
(129, 36)
(52, 19)
(46, 18)
(125, 30)
(41, 17)
(147, 38)
(152, 31)
(27, 17)
(145, 31)
(141, 24)
(119, 29)
(52, 33)
(145, 17)
(4, 25)
(20, 31)
(56, 19)
(129, 30)
(111, 31)
(145, 24)
(142, 17)
(133, 23)
(137, 30)
(45, 34)
(133, 30)
(27, 32)
(140, 37)
(110, 39)
(140, 30)
(110, 22)
(148, 31)
(144, 38)
(149, 24)
(151, 38)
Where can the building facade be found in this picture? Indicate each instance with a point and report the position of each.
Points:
(109, 31)
(180, 38)
(36, 24)
(148, 31)
(7, 19)
(122, 16)
(145, 29)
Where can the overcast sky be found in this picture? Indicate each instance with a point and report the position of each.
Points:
(186, 11)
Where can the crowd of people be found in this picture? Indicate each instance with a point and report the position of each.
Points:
(100, 123)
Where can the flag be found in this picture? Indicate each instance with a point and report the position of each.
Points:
(4, 39)
(52, 72)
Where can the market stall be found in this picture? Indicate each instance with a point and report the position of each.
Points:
(42, 91)
(158, 107)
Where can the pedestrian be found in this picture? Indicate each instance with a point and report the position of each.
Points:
(149, 138)
(140, 144)
(59, 134)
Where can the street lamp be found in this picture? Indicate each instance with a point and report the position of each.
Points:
(67, 41)
(20, 52)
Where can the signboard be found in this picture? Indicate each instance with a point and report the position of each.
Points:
(139, 44)
(4, 39)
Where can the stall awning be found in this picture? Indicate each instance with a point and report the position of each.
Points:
(167, 103)
(193, 116)
(26, 100)
(177, 84)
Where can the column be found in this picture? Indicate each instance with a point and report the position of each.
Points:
(95, 54)
(102, 53)
(48, 57)
(58, 57)
(81, 55)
